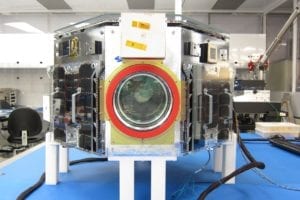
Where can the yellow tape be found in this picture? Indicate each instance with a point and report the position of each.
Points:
(74, 47)
(141, 25)
(136, 45)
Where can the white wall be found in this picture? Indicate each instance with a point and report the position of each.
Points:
(237, 23)
(32, 84)
(274, 24)
(24, 59)
(26, 50)
(33, 87)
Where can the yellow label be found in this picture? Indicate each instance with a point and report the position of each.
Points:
(74, 47)
(136, 45)
(141, 25)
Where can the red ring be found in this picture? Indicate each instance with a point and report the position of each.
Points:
(142, 68)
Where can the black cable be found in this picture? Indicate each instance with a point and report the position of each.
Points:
(266, 140)
(85, 160)
(253, 164)
(271, 137)
(41, 181)
(255, 140)
(32, 188)
(216, 184)
(269, 180)
(261, 165)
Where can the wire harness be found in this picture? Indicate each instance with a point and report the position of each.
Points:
(253, 164)
(41, 181)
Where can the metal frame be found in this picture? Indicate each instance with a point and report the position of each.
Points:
(169, 69)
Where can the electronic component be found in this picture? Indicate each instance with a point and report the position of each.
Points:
(224, 54)
(98, 47)
(143, 102)
(191, 49)
(249, 84)
(209, 53)
(64, 48)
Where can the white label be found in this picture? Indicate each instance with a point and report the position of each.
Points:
(24, 138)
(143, 35)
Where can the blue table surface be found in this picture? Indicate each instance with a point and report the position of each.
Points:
(100, 180)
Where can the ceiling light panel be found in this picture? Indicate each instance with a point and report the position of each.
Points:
(24, 27)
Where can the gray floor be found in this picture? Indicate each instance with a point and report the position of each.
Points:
(3, 141)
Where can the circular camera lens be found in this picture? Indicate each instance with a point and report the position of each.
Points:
(142, 101)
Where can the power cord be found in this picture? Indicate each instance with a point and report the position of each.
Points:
(267, 139)
(253, 164)
(268, 179)
(206, 163)
(41, 181)
(190, 182)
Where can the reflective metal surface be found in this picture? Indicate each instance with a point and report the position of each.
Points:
(172, 20)
(142, 102)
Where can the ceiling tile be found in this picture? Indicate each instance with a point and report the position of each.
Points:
(141, 4)
(54, 4)
(188, 5)
(164, 5)
(15, 6)
(98, 5)
(259, 5)
(227, 5)
(20, 6)
(195, 5)
(286, 6)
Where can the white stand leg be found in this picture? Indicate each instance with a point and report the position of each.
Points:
(218, 159)
(63, 159)
(158, 175)
(158, 179)
(51, 161)
(229, 158)
(126, 169)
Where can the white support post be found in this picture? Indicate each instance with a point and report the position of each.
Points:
(51, 160)
(295, 50)
(158, 175)
(218, 159)
(264, 24)
(229, 158)
(63, 159)
(126, 170)
(158, 179)
(178, 9)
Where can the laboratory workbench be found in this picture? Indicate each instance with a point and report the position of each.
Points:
(100, 180)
